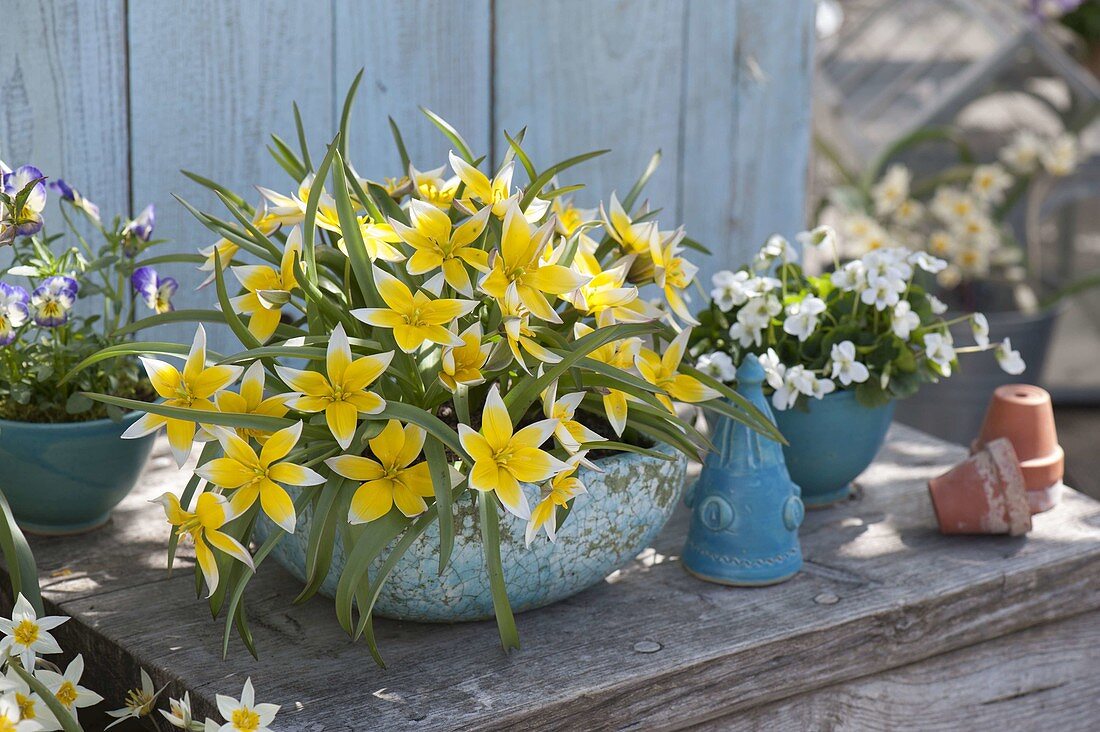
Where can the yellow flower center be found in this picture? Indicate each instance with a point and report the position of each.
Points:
(570, 219)
(6, 725)
(26, 708)
(66, 694)
(26, 632)
(245, 720)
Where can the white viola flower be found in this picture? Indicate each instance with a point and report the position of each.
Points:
(892, 263)
(1059, 156)
(891, 190)
(989, 183)
(801, 379)
(759, 311)
(27, 635)
(1009, 359)
(939, 307)
(851, 277)
(795, 381)
(67, 689)
(821, 387)
(746, 336)
(1022, 154)
(904, 321)
(939, 349)
(820, 237)
(729, 289)
(803, 316)
(179, 712)
(776, 247)
(717, 365)
(846, 368)
(11, 717)
(927, 262)
(774, 370)
(979, 326)
(245, 715)
(758, 286)
(883, 292)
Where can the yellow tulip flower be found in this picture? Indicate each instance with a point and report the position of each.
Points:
(250, 400)
(562, 488)
(190, 388)
(391, 479)
(503, 459)
(619, 354)
(439, 247)
(268, 289)
(634, 238)
(342, 395)
(661, 371)
(203, 527)
(251, 476)
(519, 264)
(569, 217)
(431, 186)
(607, 297)
(569, 433)
(518, 333)
(463, 364)
(495, 194)
(286, 210)
(415, 319)
(226, 249)
(674, 274)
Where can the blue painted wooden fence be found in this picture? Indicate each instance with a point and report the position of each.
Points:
(118, 95)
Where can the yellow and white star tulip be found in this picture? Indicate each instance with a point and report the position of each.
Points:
(250, 400)
(268, 289)
(569, 433)
(438, 246)
(503, 459)
(416, 319)
(341, 394)
(463, 364)
(190, 388)
(674, 274)
(619, 354)
(253, 476)
(204, 527)
(662, 370)
(562, 488)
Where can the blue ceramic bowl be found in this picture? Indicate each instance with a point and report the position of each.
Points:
(831, 444)
(66, 478)
(624, 509)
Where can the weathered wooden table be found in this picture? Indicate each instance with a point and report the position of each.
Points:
(890, 626)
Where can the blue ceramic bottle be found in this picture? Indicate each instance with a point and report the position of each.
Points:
(745, 509)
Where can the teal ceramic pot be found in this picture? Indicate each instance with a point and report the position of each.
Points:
(624, 509)
(66, 478)
(831, 444)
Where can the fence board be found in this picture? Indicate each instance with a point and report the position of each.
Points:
(587, 75)
(415, 53)
(209, 81)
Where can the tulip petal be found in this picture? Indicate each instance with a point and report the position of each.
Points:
(371, 501)
(276, 503)
(279, 445)
(226, 543)
(511, 495)
(163, 376)
(341, 418)
(355, 467)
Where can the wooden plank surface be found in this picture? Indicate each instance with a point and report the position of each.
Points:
(902, 593)
(1037, 679)
(209, 82)
(415, 53)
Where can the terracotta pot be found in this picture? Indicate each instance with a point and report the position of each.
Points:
(1023, 415)
(983, 494)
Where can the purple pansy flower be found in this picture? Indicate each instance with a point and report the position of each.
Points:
(156, 291)
(53, 299)
(72, 195)
(13, 311)
(142, 225)
(28, 220)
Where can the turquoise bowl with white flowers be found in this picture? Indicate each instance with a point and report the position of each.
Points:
(625, 507)
(830, 443)
(65, 478)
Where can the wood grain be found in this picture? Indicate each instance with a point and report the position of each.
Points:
(415, 53)
(1031, 680)
(905, 594)
(209, 82)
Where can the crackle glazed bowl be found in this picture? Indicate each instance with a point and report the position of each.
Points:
(625, 507)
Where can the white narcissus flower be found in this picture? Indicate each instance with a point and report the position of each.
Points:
(179, 712)
(66, 687)
(245, 715)
(31, 706)
(139, 702)
(27, 635)
(1059, 155)
(940, 351)
(729, 289)
(979, 326)
(803, 316)
(989, 183)
(717, 365)
(1009, 359)
(11, 717)
(891, 190)
(908, 213)
(904, 321)
(1022, 154)
(820, 237)
(846, 369)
